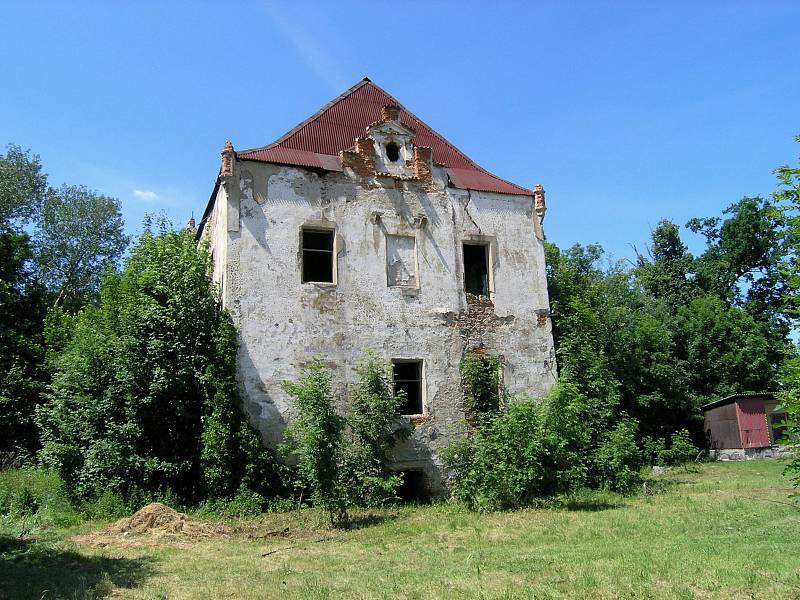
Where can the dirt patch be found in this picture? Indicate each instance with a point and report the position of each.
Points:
(155, 524)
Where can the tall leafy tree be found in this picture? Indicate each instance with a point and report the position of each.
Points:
(745, 265)
(144, 392)
(667, 274)
(21, 351)
(787, 196)
(22, 187)
(80, 232)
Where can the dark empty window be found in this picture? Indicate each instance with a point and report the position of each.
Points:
(392, 152)
(317, 255)
(408, 378)
(476, 269)
(413, 488)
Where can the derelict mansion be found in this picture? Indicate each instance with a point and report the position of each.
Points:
(363, 229)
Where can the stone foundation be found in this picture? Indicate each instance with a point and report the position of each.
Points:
(752, 453)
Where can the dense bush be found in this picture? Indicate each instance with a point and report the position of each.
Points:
(143, 394)
(514, 457)
(35, 498)
(617, 460)
(374, 428)
(343, 461)
(480, 375)
(680, 449)
(315, 438)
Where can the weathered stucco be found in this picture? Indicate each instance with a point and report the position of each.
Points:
(255, 232)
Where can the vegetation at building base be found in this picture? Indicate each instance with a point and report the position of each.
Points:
(87, 361)
(143, 396)
(343, 460)
(720, 531)
(480, 374)
(640, 349)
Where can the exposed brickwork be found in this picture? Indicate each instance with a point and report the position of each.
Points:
(362, 161)
(227, 160)
(478, 322)
(390, 112)
(538, 199)
(423, 165)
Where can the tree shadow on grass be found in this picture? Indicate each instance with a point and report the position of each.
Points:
(35, 569)
(589, 504)
(361, 521)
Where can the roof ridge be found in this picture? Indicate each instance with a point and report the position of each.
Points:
(351, 90)
(295, 140)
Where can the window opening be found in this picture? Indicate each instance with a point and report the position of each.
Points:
(408, 378)
(476, 269)
(413, 489)
(317, 256)
(392, 152)
(480, 374)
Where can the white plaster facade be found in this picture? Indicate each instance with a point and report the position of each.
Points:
(398, 286)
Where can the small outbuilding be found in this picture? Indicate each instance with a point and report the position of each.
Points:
(743, 426)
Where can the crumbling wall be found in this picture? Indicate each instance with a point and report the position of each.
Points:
(284, 323)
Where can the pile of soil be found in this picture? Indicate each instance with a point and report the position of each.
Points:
(153, 524)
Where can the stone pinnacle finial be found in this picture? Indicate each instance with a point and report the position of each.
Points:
(538, 200)
(190, 224)
(227, 160)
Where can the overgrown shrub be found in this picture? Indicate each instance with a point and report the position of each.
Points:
(316, 439)
(143, 395)
(520, 455)
(374, 427)
(343, 461)
(679, 451)
(480, 374)
(35, 496)
(617, 460)
(653, 450)
(245, 503)
(233, 457)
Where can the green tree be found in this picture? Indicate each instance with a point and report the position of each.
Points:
(21, 349)
(143, 394)
(80, 232)
(22, 186)
(725, 349)
(787, 196)
(667, 275)
(375, 427)
(316, 438)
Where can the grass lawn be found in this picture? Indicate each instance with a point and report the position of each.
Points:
(723, 531)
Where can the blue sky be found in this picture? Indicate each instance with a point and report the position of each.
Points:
(627, 112)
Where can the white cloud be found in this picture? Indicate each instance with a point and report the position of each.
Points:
(146, 195)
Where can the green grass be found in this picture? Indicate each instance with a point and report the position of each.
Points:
(726, 531)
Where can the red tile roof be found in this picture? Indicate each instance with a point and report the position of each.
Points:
(317, 141)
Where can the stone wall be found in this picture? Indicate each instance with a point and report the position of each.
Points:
(284, 323)
(753, 453)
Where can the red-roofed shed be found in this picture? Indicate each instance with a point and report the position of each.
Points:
(743, 421)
